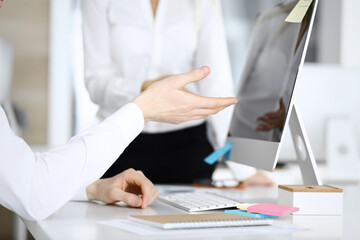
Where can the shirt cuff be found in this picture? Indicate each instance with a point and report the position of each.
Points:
(105, 142)
(80, 195)
(133, 110)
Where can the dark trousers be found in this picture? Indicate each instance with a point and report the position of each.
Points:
(173, 157)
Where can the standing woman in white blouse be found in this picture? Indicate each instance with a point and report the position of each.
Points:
(129, 45)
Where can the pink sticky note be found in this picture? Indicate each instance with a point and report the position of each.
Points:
(272, 209)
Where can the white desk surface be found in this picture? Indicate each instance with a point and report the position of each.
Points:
(77, 220)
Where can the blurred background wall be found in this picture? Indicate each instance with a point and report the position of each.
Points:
(25, 25)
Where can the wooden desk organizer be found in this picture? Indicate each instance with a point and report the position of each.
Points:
(312, 199)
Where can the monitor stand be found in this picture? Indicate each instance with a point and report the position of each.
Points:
(305, 156)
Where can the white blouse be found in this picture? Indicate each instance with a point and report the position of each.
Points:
(35, 185)
(124, 45)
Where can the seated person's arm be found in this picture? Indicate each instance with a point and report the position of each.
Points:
(36, 185)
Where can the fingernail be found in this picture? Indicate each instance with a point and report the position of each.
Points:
(137, 202)
(205, 70)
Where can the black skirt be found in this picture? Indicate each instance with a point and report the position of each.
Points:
(172, 157)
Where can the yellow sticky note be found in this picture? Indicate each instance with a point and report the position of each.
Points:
(244, 206)
(299, 11)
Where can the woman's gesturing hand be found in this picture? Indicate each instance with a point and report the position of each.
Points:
(167, 100)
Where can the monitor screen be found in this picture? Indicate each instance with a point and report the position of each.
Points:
(268, 79)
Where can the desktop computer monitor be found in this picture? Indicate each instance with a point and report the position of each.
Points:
(275, 57)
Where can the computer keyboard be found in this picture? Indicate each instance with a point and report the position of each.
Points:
(198, 201)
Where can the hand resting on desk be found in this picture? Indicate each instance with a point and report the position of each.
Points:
(126, 187)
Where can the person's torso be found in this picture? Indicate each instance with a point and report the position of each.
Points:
(145, 47)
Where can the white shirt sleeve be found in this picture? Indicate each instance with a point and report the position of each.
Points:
(103, 79)
(35, 185)
(212, 51)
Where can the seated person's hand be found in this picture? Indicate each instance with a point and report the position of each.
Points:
(273, 120)
(258, 179)
(126, 187)
(168, 101)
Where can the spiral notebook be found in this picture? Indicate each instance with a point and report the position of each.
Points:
(208, 220)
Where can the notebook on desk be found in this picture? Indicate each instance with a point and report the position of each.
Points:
(209, 220)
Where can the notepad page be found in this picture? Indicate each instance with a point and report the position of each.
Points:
(183, 221)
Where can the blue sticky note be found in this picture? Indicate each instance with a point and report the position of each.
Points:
(227, 155)
(213, 157)
(257, 215)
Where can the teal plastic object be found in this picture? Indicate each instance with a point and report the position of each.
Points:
(245, 213)
(213, 157)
